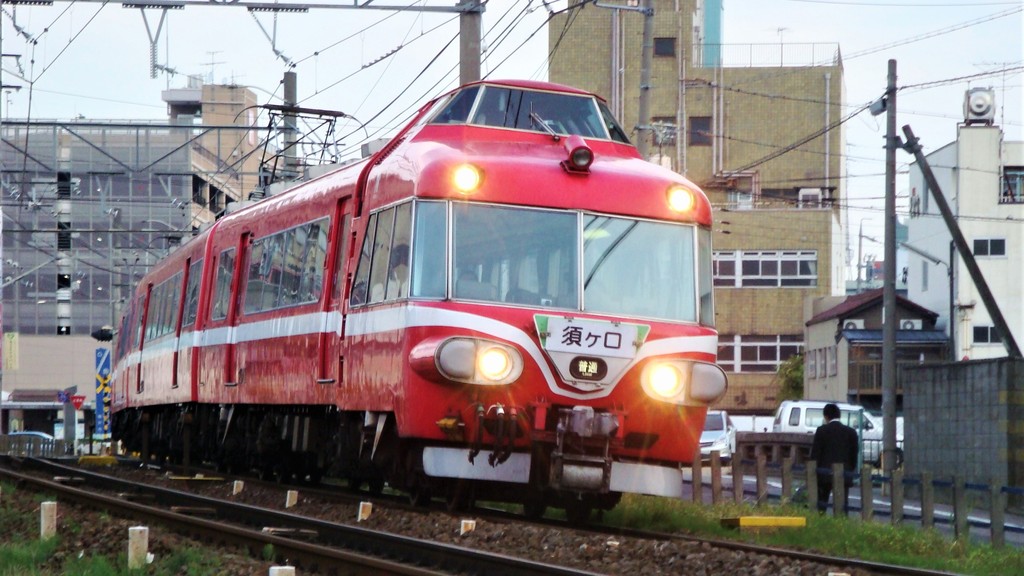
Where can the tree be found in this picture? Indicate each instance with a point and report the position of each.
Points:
(790, 378)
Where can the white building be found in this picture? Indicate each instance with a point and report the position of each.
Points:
(982, 178)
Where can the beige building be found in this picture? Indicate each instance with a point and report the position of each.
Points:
(760, 129)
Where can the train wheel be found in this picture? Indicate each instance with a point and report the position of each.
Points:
(420, 494)
(459, 496)
(375, 486)
(577, 512)
(534, 508)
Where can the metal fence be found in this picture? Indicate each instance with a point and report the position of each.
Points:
(33, 446)
(949, 502)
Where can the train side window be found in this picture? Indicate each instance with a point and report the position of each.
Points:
(259, 268)
(222, 290)
(398, 262)
(381, 257)
(428, 258)
(192, 293)
(295, 268)
(361, 283)
(341, 257)
(311, 257)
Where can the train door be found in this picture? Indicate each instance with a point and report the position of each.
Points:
(232, 376)
(185, 350)
(144, 328)
(330, 359)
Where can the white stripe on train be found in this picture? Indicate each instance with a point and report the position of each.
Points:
(365, 323)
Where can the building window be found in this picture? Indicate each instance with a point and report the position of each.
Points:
(833, 361)
(766, 269)
(664, 46)
(699, 131)
(986, 335)
(990, 247)
(750, 353)
(1013, 185)
(811, 364)
(924, 276)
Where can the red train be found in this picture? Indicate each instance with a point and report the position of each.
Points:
(505, 302)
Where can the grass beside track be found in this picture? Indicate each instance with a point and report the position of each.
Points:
(842, 537)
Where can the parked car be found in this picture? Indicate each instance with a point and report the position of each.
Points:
(719, 435)
(807, 415)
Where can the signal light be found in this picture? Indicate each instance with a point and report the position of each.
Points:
(580, 155)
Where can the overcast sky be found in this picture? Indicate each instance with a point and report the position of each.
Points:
(92, 60)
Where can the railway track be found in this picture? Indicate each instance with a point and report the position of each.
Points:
(336, 549)
(435, 556)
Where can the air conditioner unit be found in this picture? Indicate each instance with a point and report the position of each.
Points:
(910, 324)
(855, 324)
(979, 106)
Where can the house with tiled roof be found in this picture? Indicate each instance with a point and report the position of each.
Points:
(843, 357)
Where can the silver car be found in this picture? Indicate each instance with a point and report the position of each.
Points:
(719, 435)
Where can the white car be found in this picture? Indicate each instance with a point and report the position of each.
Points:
(807, 415)
(719, 435)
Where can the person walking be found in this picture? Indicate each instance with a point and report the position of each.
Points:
(834, 443)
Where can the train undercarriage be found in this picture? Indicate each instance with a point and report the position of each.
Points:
(305, 444)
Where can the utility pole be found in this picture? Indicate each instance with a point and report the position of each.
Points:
(469, 41)
(889, 288)
(643, 121)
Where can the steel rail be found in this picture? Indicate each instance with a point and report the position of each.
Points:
(393, 552)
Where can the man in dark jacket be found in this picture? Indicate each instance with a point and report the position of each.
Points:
(834, 443)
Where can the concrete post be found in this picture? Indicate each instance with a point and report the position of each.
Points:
(838, 490)
(927, 501)
(138, 546)
(997, 514)
(897, 497)
(762, 479)
(867, 494)
(291, 498)
(282, 571)
(47, 520)
(960, 509)
(787, 479)
(716, 477)
(697, 472)
(737, 480)
(812, 484)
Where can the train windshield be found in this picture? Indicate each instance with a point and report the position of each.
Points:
(532, 110)
(533, 257)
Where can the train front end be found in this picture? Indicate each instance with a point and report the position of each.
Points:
(557, 327)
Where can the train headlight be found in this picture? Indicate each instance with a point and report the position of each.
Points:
(493, 363)
(681, 198)
(684, 382)
(478, 361)
(665, 380)
(466, 178)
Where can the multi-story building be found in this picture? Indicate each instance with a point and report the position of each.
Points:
(88, 206)
(981, 176)
(759, 128)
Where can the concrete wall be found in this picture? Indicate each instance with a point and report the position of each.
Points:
(965, 418)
